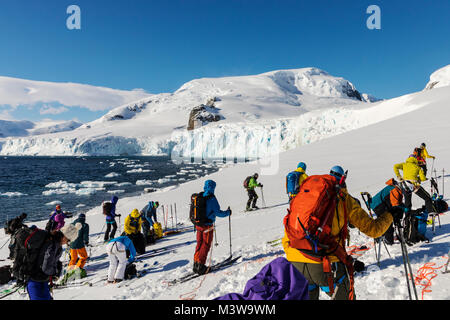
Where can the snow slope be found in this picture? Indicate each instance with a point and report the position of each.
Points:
(369, 154)
(302, 105)
(439, 78)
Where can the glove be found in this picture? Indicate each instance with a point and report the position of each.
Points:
(118, 215)
(359, 265)
(400, 179)
(229, 209)
(397, 214)
(59, 267)
(261, 185)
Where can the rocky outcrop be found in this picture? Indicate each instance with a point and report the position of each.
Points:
(204, 114)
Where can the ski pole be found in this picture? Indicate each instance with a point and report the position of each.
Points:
(215, 235)
(446, 265)
(406, 263)
(262, 197)
(398, 230)
(5, 243)
(176, 220)
(431, 180)
(229, 231)
(370, 212)
(171, 215)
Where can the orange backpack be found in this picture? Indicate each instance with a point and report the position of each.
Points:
(309, 221)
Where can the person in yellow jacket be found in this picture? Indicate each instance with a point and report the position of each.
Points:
(413, 175)
(424, 155)
(132, 229)
(314, 271)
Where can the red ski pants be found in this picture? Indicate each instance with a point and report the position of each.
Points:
(204, 240)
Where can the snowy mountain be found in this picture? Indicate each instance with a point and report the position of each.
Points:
(15, 92)
(28, 128)
(369, 153)
(439, 78)
(272, 111)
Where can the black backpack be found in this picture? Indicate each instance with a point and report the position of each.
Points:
(130, 271)
(197, 212)
(134, 222)
(411, 231)
(28, 244)
(440, 205)
(5, 274)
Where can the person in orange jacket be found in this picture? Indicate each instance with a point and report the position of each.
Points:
(347, 208)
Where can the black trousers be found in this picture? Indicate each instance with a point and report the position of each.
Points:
(252, 197)
(422, 194)
(424, 168)
(111, 229)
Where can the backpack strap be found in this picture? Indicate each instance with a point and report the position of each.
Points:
(29, 237)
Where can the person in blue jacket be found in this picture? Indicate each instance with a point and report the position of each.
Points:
(117, 251)
(149, 214)
(205, 232)
(111, 225)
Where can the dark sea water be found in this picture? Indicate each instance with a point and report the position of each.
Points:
(34, 185)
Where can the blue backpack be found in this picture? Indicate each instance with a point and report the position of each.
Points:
(292, 179)
(422, 222)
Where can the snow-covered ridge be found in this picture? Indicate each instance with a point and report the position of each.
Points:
(15, 92)
(259, 115)
(25, 128)
(439, 78)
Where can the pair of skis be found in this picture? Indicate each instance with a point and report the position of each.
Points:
(228, 261)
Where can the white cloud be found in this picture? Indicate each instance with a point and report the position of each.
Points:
(52, 110)
(16, 92)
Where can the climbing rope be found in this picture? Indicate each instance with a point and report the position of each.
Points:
(425, 275)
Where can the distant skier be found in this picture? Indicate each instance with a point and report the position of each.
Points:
(205, 215)
(250, 184)
(413, 175)
(56, 220)
(117, 249)
(109, 210)
(294, 179)
(423, 153)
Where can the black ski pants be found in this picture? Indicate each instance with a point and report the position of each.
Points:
(252, 197)
(111, 228)
(422, 194)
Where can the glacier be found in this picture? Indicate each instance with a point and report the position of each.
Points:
(261, 115)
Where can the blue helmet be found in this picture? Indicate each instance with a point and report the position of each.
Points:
(302, 165)
(337, 172)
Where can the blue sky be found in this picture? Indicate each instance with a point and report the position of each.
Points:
(159, 45)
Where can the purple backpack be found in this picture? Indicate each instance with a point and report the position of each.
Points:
(278, 280)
